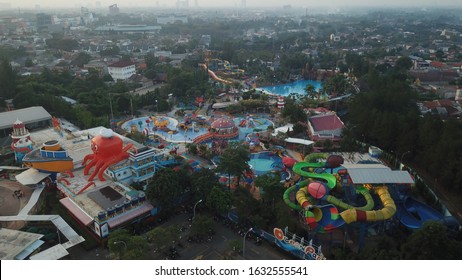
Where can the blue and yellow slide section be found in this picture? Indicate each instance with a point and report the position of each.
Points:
(317, 187)
(321, 209)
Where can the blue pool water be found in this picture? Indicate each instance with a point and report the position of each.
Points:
(295, 87)
(265, 162)
(181, 136)
(256, 124)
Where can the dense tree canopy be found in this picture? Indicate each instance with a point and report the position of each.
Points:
(386, 116)
(234, 160)
(164, 189)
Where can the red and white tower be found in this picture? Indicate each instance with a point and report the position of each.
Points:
(22, 143)
(280, 102)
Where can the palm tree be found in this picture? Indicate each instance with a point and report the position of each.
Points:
(311, 91)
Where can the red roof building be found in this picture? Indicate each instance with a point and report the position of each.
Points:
(325, 127)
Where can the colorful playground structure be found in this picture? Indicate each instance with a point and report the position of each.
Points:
(313, 196)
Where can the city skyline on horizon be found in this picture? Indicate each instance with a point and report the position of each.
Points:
(223, 3)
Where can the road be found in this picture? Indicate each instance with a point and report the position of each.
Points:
(216, 249)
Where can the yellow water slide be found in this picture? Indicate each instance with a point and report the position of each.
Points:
(388, 210)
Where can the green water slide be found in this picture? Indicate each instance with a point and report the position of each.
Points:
(329, 178)
(314, 157)
(331, 183)
(361, 190)
(286, 198)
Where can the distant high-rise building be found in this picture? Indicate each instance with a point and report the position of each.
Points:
(86, 17)
(113, 9)
(43, 21)
(244, 3)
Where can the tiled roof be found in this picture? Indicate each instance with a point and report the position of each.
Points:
(121, 64)
(223, 123)
(326, 122)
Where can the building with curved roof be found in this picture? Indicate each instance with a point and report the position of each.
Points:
(223, 126)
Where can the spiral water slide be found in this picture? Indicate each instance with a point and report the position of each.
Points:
(327, 217)
(388, 210)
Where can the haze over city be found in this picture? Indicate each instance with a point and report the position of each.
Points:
(246, 130)
(223, 3)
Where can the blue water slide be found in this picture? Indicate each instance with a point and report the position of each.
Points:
(413, 213)
(330, 218)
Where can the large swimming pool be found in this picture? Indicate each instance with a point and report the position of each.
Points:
(265, 162)
(295, 87)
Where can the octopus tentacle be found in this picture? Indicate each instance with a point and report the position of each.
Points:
(108, 163)
(97, 168)
(88, 157)
(89, 166)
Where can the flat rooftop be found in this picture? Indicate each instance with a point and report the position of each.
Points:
(13, 242)
(97, 196)
(26, 115)
(77, 144)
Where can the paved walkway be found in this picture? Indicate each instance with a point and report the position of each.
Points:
(32, 200)
(23, 215)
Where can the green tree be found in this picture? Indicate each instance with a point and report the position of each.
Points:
(219, 200)
(293, 111)
(162, 237)
(201, 225)
(60, 43)
(202, 183)
(403, 63)
(431, 242)
(310, 91)
(164, 189)
(337, 85)
(28, 62)
(271, 187)
(234, 161)
(384, 249)
(126, 246)
(81, 59)
(234, 245)
(7, 79)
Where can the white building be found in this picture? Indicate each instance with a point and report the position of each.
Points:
(121, 70)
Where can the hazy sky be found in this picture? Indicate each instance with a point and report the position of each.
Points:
(230, 3)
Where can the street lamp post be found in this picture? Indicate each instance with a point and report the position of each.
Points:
(243, 244)
(157, 107)
(194, 209)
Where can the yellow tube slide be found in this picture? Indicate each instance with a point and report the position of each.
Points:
(363, 191)
(302, 197)
(388, 210)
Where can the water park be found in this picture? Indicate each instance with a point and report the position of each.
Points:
(102, 174)
(197, 128)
